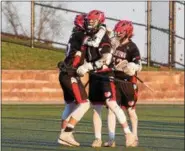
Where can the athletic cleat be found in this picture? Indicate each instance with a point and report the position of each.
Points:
(97, 143)
(130, 140)
(137, 142)
(110, 143)
(68, 138)
(63, 143)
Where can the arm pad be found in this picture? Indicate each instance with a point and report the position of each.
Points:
(105, 60)
(97, 38)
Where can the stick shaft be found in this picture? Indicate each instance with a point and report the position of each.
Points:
(144, 84)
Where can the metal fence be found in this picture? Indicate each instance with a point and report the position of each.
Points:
(49, 24)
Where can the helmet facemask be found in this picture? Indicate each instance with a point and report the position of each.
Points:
(123, 30)
(120, 36)
(94, 19)
(92, 24)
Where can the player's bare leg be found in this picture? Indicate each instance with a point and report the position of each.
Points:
(97, 122)
(69, 108)
(63, 126)
(76, 115)
(130, 137)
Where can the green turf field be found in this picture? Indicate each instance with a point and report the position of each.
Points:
(36, 128)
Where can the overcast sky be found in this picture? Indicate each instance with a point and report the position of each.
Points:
(134, 11)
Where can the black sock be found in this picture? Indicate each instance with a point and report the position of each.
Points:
(68, 129)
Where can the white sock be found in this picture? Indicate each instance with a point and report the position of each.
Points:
(119, 114)
(97, 121)
(111, 121)
(134, 121)
(127, 130)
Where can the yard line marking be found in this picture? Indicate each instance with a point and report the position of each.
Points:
(86, 132)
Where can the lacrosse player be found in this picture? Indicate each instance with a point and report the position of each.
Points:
(127, 62)
(74, 94)
(98, 61)
(73, 89)
(94, 41)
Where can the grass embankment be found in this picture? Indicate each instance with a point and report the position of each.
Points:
(20, 57)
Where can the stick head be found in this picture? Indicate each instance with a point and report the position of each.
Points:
(121, 65)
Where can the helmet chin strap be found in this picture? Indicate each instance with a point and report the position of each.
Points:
(124, 40)
(93, 26)
(92, 30)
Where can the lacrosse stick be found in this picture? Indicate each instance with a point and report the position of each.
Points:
(144, 83)
(109, 78)
(121, 65)
(114, 42)
(85, 85)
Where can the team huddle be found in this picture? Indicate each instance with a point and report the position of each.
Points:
(112, 63)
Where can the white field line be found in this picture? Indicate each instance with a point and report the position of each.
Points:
(118, 134)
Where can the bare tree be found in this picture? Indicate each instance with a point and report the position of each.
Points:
(10, 12)
(49, 25)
